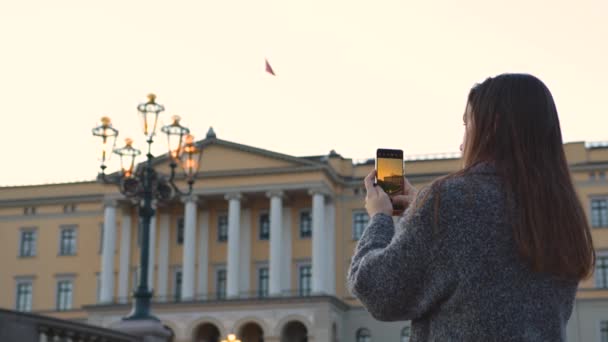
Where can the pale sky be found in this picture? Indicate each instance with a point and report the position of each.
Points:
(351, 75)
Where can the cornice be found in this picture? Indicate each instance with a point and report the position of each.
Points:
(233, 303)
(24, 202)
(76, 214)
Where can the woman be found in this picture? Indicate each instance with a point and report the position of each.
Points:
(493, 252)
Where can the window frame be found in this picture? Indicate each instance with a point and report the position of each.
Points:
(603, 256)
(98, 291)
(134, 278)
(177, 290)
(300, 231)
(223, 238)
(101, 237)
(220, 293)
(359, 337)
(69, 208)
(29, 211)
(58, 292)
(601, 223)
(262, 237)
(179, 230)
(301, 291)
(407, 329)
(354, 222)
(24, 281)
(34, 241)
(603, 330)
(63, 228)
(263, 292)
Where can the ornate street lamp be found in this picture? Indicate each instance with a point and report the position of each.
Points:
(108, 136)
(144, 184)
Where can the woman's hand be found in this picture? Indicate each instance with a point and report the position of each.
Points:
(408, 197)
(376, 200)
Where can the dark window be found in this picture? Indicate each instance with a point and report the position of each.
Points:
(29, 211)
(264, 227)
(222, 228)
(178, 285)
(135, 282)
(305, 224)
(263, 282)
(602, 175)
(599, 212)
(27, 246)
(405, 334)
(101, 238)
(604, 331)
(360, 220)
(305, 279)
(180, 231)
(601, 272)
(363, 335)
(220, 284)
(67, 244)
(69, 208)
(24, 297)
(64, 295)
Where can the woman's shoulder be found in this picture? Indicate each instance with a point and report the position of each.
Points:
(479, 183)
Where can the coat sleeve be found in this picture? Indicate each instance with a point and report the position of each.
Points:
(404, 274)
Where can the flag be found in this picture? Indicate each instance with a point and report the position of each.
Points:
(269, 68)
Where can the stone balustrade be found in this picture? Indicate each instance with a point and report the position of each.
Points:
(27, 327)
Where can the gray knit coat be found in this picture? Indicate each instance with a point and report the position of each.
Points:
(458, 277)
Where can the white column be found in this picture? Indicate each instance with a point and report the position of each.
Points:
(107, 255)
(276, 242)
(203, 252)
(234, 213)
(286, 264)
(318, 242)
(125, 256)
(162, 281)
(245, 252)
(189, 255)
(151, 252)
(330, 247)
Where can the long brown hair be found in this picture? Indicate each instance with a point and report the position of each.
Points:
(514, 124)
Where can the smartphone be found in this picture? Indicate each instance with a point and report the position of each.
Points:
(389, 170)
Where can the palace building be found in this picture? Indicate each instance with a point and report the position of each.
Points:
(260, 249)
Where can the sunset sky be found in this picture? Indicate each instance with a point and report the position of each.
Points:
(345, 72)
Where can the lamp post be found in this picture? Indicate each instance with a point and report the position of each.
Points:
(231, 338)
(144, 184)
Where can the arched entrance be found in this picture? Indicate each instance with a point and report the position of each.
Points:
(294, 331)
(207, 332)
(251, 332)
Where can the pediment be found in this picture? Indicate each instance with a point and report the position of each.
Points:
(219, 155)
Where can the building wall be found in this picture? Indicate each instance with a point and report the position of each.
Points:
(228, 170)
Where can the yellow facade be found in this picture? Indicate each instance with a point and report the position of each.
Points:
(227, 167)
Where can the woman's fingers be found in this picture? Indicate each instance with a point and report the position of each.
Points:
(369, 183)
(408, 188)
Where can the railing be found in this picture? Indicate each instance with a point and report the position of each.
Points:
(215, 296)
(27, 327)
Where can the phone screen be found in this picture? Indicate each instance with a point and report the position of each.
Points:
(389, 168)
